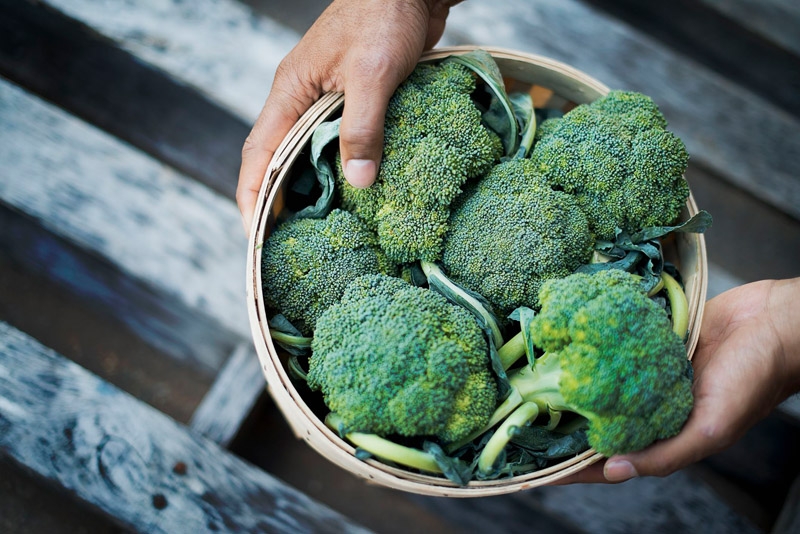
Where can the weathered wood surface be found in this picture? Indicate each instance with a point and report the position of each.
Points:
(86, 74)
(163, 322)
(130, 461)
(774, 20)
(678, 503)
(219, 46)
(155, 225)
(789, 520)
(737, 134)
(232, 397)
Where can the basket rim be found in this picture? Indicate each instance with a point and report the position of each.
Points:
(304, 423)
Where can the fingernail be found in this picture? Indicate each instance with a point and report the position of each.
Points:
(619, 470)
(360, 172)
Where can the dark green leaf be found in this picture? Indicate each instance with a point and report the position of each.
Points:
(697, 224)
(523, 110)
(455, 469)
(324, 134)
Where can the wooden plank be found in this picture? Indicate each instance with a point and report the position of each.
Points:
(131, 462)
(745, 139)
(726, 46)
(789, 519)
(171, 233)
(86, 74)
(219, 46)
(163, 322)
(774, 20)
(232, 397)
(677, 503)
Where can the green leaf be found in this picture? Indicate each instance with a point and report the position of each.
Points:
(523, 110)
(324, 134)
(697, 224)
(455, 469)
(288, 337)
(548, 444)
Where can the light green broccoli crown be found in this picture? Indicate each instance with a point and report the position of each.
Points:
(391, 358)
(306, 264)
(434, 141)
(509, 232)
(616, 156)
(621, 365)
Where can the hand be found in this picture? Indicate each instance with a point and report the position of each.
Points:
(747, 361)
(364, 48)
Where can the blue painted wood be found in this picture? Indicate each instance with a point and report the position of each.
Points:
(131, 462)
(236, 390)
(165, 323)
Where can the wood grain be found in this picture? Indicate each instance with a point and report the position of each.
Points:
(155, 225)
(130, 461)
(88, 75)
(229, 401)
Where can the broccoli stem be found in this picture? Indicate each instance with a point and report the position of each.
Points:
(656, 288)
(288, 339)
(679, 305)
(385, 449)
(526, 412)
(512, 350)
(513, 400)
(441, 283)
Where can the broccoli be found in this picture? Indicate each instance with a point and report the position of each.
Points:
(509, 232)
(391, 358)
(616, 156)
(307, 263)
(611, 356)
(434, 141)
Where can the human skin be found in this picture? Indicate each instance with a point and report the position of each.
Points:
(747, 362)
(364, 48)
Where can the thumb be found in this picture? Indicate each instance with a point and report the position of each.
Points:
(368, 88)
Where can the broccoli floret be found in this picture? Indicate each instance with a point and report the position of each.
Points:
(611, 356)
(307, 263)
(434, 141)
(391, 358)
(509, 232)
(616, 156)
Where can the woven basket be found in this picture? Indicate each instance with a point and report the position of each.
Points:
(549, 82)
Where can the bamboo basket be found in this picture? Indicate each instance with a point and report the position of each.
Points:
(550, 83)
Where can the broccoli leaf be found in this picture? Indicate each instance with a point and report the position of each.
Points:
(698, 224)
(324, 134)
(287, 336)
(523, 109)
(455, 469)
(544, 443)
(524, 316)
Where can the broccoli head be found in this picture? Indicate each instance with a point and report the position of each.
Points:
(610, 356)
(434, 141)
(509, 232)
(391, 358)
(307, 263)
(618, 160)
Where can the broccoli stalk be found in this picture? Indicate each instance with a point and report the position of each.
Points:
(385, 449)
(679, 305)
(631, 387)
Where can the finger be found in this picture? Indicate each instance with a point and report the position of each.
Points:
(370, 81)
(590, 475)
(281, 110)
(700, 438)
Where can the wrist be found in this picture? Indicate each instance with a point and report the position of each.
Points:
(784, 313)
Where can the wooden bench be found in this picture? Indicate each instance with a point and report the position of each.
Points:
(120, 136)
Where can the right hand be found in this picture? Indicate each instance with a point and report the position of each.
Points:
(364, 48)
